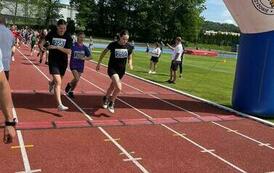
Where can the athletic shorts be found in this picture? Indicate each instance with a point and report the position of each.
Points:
(174, 65)
(154, 59)
(57, 67)
(112, 71)
(78, 68)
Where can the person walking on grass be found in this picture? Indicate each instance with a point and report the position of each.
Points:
(176, 59)
(6, 106)
(79, 54)
(59, 47)
(6, 44)
(120, 54)
(155, 55)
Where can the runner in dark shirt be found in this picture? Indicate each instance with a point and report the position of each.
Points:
(120, 53)
(59, 45)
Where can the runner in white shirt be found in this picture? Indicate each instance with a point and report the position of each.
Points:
(6, 106)
(176, 59)
(155, 55)
(6, 44)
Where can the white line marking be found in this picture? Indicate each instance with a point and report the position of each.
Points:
(207, 151)
(132, 152)
(181, 108)
(101, 129)
(32, 171)
(22, 145)
(242, 135)
(201, 147)
(134, 159)
(124, 151)
(108, 140)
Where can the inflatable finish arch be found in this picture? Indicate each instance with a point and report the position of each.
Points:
(253, 91)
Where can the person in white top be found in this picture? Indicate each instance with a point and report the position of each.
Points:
(6, 106)
(6, 44)
(176, 59)
(155, 55)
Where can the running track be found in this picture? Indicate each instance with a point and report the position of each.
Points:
(153, 130)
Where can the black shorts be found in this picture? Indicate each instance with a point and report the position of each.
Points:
(174, 65)
(154, 59)
(58, 66)
(112, 71)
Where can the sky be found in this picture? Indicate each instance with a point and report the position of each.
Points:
(215, 11)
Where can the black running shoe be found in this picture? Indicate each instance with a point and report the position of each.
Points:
(105, 102)
(111, 107)
(68, 88)
(71, 95)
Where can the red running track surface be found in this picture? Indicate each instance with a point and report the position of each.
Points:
(153, 130)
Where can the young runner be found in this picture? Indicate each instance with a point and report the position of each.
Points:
(120, 52)
(155, 55)
(41, 43)
(79, 54)
(176, 59)
(59, 47)
(33, 42)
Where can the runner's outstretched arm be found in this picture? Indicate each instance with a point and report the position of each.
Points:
(101, 58)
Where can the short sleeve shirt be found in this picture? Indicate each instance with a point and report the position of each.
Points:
(78, 52)
(119, 55)
(178, 50)
(64, 41)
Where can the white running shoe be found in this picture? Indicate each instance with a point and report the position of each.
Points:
(149, 72)
(105, 102)
(62, 108)
(154, 72)
(111, 107)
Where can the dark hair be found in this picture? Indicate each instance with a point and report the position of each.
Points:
(80, 33)
(61, 22)
(123, 32)
(157, 44)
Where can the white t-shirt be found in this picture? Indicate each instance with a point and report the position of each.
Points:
(156, 52)
(178, 50)
(6, 40)
(1, 64)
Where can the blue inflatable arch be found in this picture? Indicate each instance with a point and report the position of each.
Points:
(253, 90)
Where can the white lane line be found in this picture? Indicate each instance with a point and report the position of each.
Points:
(22, 145)
(177, 133)
(122, 149)
(192, 113)
(204, 149)
(244, 136)
(32, 171)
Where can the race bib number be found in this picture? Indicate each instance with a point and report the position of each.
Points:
(79, 54)
(121, 53)
(59, 42)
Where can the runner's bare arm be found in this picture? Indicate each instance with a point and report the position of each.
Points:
(64, 50)
(101, 58)
(170, 47)
(130, 62)
(6, 105)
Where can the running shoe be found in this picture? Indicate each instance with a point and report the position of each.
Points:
(111, 107)
(51, 87)
(149, 72)
(180, 76)
(105, 102)
(154, 72)
(62, 108)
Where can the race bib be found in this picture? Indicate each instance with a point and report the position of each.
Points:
(59, 42)
(79, 54)
(121, 53)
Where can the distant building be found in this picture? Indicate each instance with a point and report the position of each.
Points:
(220, 32)
(66, 11)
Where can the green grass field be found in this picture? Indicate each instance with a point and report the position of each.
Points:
(205, 77)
